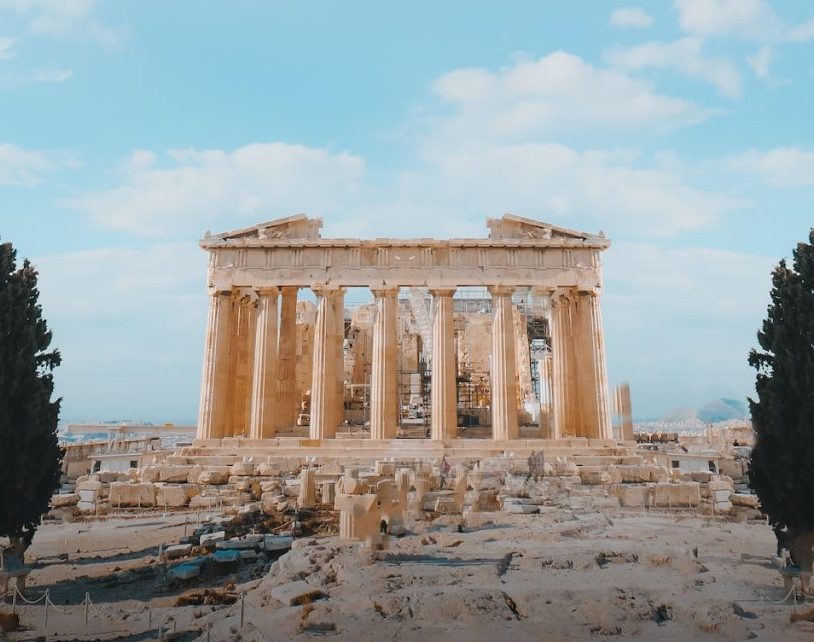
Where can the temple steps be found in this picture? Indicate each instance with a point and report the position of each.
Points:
(585, 452)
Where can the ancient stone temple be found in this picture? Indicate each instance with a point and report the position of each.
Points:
(497, 337)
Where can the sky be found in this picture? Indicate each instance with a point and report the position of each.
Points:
(682, 129)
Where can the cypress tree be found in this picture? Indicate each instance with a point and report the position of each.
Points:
(30, 457)
(782, 463)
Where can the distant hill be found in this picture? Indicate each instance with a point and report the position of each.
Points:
(713, 412)
(723, 410)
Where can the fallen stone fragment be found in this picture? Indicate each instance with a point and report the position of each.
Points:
(277, 542)
(185, 571)
(226, 557)
(176, 551)
(296, 593)
(747, 501)
(67, 499)
(741, 612)
(211, 539)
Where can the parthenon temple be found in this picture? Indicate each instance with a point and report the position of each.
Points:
(470, 338)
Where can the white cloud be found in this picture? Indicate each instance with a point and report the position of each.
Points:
(679, 321)
(684, 56)
(630, 17)
(198, 188)
(129, 324)
(750, 19)
(21, 167)
(556, 92)
(761, 61)
(51, 74)
(801, 33)
(780, 167)
(14, 80)
(747, 19)
(7, 48)
(60, 18)
(589, 189)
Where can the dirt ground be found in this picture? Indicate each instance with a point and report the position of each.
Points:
(555, 576)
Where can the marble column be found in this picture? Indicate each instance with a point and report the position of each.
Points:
(545, 423)
(444, 398)
(323, 378)
(241, 358)
(582, 407)
(559, 320)
(338, 404)
(504, 376)
(596, 387)
(287, 402)
(263, 421)
(214, 387)
(384, 410)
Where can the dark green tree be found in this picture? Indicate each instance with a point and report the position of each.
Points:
(782, 466)
(30, 457)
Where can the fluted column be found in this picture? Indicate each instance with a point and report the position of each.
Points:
(241, 357)
(323, 377)
(338, 301)
(444, 402)
(504, 376)
(287, 401)
(263, 420)
(560, 319)
(215, 378)
(596, 393)
(383, 391)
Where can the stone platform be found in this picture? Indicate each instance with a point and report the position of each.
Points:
(349, 450)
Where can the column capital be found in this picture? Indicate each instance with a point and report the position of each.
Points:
(384, 290)
(327, 289)
(501, 290)
(595, 291)
(216, 291)
(562, 296)
(542, 290)
(443, 293)
(269, 290)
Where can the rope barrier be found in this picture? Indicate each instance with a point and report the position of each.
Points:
(83, 604)
(87, 608)
(23, 598)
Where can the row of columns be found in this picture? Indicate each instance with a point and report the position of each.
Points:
(267, 374)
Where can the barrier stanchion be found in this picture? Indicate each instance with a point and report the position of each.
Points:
(45, 623)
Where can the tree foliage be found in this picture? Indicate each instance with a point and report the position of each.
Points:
(782, 466)
(30, 456)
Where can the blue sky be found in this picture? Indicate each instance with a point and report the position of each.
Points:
(682, 129)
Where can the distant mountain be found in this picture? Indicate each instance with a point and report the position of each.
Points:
(723, 410)
(713, 412)
(678, 415)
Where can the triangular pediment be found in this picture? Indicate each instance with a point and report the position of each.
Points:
(298, 226)
(510, 226)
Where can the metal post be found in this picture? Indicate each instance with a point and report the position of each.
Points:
(87, 608)
(242, 608)
(45, 623)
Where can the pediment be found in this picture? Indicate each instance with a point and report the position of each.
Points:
(510, 226)
(298, 226)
